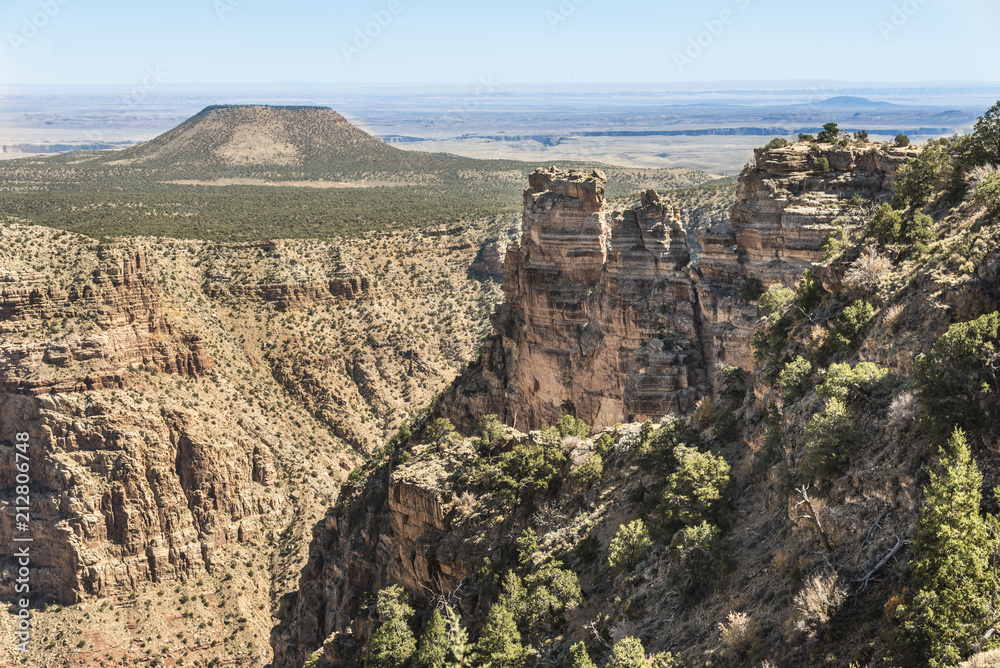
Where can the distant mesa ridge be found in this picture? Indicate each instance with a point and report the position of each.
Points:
(853, 102)
(554, 139)
(226, 137)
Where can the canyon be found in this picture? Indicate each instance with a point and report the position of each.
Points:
(604, 318)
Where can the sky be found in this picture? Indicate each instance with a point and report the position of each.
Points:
(89, 42)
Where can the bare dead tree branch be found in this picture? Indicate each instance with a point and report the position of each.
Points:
(885, 511)
(813, 517)
(900, 544)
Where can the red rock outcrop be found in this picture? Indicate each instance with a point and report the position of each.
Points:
(600, 315)
(605, 320)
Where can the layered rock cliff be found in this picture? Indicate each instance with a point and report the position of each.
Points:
(605, 319)
(599, 317)
(576, 263)
(127, 489)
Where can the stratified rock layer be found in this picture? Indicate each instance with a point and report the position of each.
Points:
(599, 319)
(605, 320)
(121, 493)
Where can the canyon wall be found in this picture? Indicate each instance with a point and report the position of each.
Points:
(605, 319)
(599, 316)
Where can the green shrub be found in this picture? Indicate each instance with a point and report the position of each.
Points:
(605, 445)
(916, 180)
(830, 134)
(988, 193)
(656, 450)
(695, 491)
(849, 327)
(833, 244)
(439, 432)
(901, 141)
(821, 166)
(861, 136)
(777, 142)
(957, 381)
(492, 434)
(810, 291)
(919, 230)
(392, 645)
(842, 382)
(578, 657)
(694, 543)
(628, 653)
(432, 650)
(590, 471)
(829, 440)
(775, 299)
(886, 225)
(532, 468)
(527, 546)
(667, 660)
(769, 340)
(751, 289)
(499, 643)
(570, 426)
(630, 546)
(806, 137)
(951, 570)
(550, 592)
(985, 140)
(794, 378)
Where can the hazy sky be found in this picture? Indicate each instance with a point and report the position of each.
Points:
(410, 41)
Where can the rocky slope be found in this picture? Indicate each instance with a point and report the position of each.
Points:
(189, 403)
(581, 278)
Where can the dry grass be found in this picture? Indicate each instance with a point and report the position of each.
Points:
(817, 601)
(989, 659)
(867, 274)
(738, 633)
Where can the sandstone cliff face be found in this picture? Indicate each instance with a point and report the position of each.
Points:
(290, 288)
(605, 320)
(126, 321)
(599, 318)
(405, 525)
(125, 491)
(784, 210)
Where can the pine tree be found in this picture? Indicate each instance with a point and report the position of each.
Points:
(950, 572)
(628, 653)
(392, 644)
(432, 651)
(578, 657)
(499, 644)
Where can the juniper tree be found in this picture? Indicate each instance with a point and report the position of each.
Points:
(392, 644)
(950, 573)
